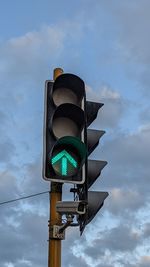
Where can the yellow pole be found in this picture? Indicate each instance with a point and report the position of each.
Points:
(57, 72)
(54, 251)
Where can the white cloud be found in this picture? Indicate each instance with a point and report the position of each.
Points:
(111, 114)
(145, 260)
(133, 40)
(125, 201)
(27, 55)
(108, 93)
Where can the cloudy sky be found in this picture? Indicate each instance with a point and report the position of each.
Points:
(107, 44)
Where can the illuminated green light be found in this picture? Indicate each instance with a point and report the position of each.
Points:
(64, 166)
(71, 159)
(64, 163)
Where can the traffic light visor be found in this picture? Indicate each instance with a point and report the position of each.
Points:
(68, 88)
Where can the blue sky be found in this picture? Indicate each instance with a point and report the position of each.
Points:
(107, 44)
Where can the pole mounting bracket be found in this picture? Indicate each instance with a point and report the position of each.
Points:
(56, 233)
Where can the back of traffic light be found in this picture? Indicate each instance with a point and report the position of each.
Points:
(94, 199)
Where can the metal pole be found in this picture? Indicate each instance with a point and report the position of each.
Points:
(54, 251)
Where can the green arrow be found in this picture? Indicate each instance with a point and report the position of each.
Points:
(64, 166)
(65, 157)
(57, 157)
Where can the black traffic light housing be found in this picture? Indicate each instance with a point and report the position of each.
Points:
(64, 130)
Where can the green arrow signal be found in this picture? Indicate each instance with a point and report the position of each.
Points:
(64, 166)
(64, 158)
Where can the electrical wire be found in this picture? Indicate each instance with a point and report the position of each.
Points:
(21, 198)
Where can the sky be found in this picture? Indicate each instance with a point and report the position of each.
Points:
(106, 43)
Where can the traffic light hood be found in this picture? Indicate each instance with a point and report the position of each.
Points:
(68, 88)
(68, 119)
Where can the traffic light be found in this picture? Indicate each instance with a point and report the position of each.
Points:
(94, 199)
(68, 142)
(65, 151)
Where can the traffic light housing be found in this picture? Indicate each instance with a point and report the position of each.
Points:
(68, 142)
(64, 130)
